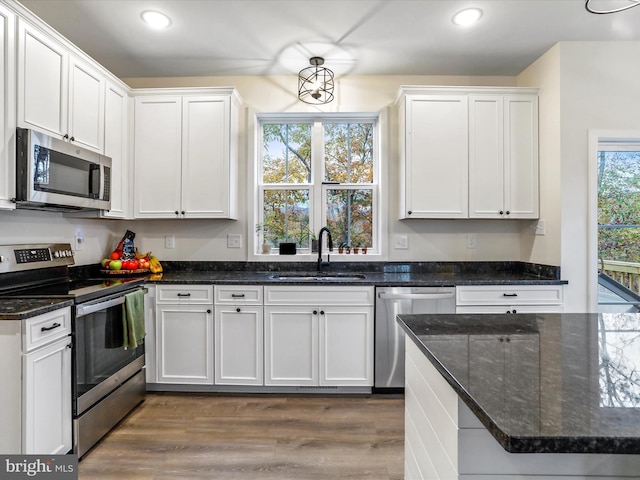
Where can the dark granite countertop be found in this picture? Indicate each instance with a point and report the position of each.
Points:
(375, 273)
(22, 308)
(542, 383)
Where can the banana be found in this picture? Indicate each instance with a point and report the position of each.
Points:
(154, 264)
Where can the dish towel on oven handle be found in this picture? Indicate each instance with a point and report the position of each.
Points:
(133, 319)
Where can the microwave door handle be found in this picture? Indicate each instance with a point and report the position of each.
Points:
(94, 180)
(82, 310)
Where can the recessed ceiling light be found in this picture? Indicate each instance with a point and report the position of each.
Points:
(467, 17)
(156, 19)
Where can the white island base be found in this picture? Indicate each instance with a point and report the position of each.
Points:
(445, 440)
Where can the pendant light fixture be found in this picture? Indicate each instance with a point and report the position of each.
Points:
(315, 83)
(588, 4)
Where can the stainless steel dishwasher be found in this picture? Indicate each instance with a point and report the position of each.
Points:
(389, 337)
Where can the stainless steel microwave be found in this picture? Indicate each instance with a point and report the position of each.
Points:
(58, 175)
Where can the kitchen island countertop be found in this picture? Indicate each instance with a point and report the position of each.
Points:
(541, 383)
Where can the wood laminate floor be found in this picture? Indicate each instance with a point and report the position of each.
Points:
(199, 436)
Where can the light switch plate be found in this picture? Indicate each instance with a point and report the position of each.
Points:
(401, 242)
(169, 241)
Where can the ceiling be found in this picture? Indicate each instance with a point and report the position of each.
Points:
(357, 37)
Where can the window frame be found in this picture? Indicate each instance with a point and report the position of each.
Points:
(317, 187)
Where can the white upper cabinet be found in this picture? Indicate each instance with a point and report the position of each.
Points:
(434, 155)
(58, 93)
(116, 137)
(185, 154)
(8, 108)
(503, 156)
(468, 152)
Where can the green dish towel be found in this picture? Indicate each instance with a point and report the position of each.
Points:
(133, 319)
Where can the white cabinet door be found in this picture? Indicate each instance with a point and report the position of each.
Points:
(521, 156)
(47, 399)
(157, 154)
(239, 345)
(434, 133)
(116, 128)
(486, 156)
(346, 346)
(184, 344)
(86, 106)
(205, 157)
(42, 82)
(7, 108)
(291, 345)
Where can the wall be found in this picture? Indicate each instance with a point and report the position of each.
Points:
(429, 240)
(585, 86)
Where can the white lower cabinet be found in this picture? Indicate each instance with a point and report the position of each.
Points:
(35, 354)
(509, 299)
(47, 399)
(239, 335)
(184, 334)
(318, 336)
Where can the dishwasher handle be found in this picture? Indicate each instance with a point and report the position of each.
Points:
(415, 296)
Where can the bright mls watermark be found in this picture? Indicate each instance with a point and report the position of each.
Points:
(50, 467)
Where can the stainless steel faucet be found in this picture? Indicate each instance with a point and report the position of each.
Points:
(329, 243)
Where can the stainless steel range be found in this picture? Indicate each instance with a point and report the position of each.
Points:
(108, 380)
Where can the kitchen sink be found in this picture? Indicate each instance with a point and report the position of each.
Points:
(321, 277)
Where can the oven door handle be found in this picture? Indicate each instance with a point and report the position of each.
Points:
(82, 310)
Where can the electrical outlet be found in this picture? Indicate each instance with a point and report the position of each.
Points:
(538, 228)
(472, 240)
(79, 241)
(169, 241)
(234, 240)
(401, 242)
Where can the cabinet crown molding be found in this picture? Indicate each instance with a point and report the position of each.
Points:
(405, 90)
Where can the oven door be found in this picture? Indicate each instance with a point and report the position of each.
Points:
(100, 363)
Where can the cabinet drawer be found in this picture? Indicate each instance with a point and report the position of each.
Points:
(184, 294)
(238, 294)
(471, 309)
(45, 328)
(336, 295)
(509, 295)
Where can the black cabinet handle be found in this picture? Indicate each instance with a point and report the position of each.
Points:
(176, 212)
(315, 312)
(238, 310)
(237, 295)
(509, 294)
(66, 136)
(501, 212)
(409, 212)
(208, 310)
(54, 326)
(73, 139)
(182, 212)
(183, 294)
(321, 312)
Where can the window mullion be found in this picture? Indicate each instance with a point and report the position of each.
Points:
(318, 215)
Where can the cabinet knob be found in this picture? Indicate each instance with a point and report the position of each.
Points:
(177, 213)
(315, 312)
(321, 312)
(182, 212)
(208, 310)
(73, 139)
(501, 339)
(409, 212)
(514, 311)
(238, 309)
(501, 212)
(508, 212)
(66, 136)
